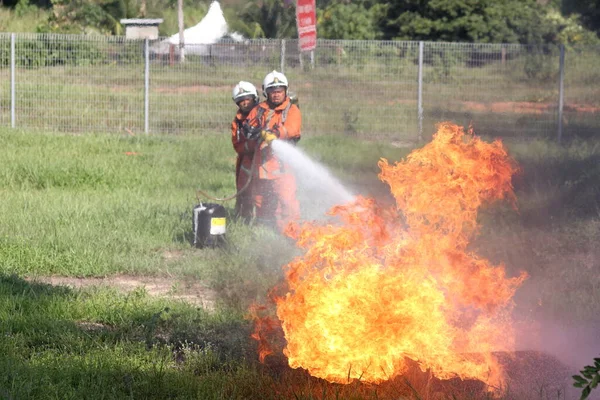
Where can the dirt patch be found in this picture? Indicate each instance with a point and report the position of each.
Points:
(524, 107)
(193, 292)
(516, 107)
(175, 89)
(93, 326)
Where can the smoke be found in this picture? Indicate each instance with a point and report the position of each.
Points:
(317, 189)
(560, 341)
(550, 352)
(575, 344)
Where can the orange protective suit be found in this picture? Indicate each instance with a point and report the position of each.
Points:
(245, 151)
(274, 192)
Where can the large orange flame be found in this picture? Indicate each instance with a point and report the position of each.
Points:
(387, 285)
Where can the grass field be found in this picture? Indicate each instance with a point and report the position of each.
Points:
(119, 205)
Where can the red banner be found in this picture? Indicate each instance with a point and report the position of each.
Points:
(306, 20)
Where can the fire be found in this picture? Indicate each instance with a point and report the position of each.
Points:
(388, 285)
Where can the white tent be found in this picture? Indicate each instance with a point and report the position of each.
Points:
(210, 30)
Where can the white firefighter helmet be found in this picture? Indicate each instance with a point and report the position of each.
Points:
(244, 89)
(274, 79)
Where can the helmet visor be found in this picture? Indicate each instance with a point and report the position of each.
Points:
(275, 87)
(242, 98)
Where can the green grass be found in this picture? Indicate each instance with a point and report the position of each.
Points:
(80, 206)
(91, 209)
(63, 344)
(85, 206)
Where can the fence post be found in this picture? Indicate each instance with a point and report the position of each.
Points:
(282, 57)
(146, 85)
(420, 92)
(561, 81)
(13, 98)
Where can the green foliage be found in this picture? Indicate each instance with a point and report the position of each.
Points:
(87, 16)
(353, 21)
(589, 379)
(589, 10)
(540, 65)
(103, 17)
(49, 51)
(274, 19)
(27, 20)
(23, 8)
(487, 21)
(192, 14)
(442, 63)
(569, 30)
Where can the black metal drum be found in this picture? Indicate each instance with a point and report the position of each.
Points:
(209, 225)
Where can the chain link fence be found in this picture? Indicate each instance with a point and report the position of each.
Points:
(389, 90)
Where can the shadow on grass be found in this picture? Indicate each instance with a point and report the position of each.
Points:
(22, 307)
(12, 285)
(55, 344)
(98, 376)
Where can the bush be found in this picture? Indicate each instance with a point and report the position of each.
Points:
(589, 379)
(541, 64)
(48, 51)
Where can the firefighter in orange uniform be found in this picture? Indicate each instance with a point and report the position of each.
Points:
(246, 97)
(274, 190)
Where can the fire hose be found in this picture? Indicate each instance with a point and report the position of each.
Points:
(265, 136)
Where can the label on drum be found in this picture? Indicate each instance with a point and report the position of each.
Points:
(217, 226)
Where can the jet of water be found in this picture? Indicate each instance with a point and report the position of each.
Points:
(317, 189)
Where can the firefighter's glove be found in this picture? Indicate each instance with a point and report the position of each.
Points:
(268, 136)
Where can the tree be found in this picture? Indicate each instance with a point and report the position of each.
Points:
(343, 20)
(508, 21)
(570, 30)
(269, 19)
(84, 16)
(103, 16)
(588, 9)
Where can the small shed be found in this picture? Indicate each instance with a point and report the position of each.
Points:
(141, 28)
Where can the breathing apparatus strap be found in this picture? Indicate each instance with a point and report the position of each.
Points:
(239, 124)
(259, 113)
(285, 111)
(269, 116)
(284, 114)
